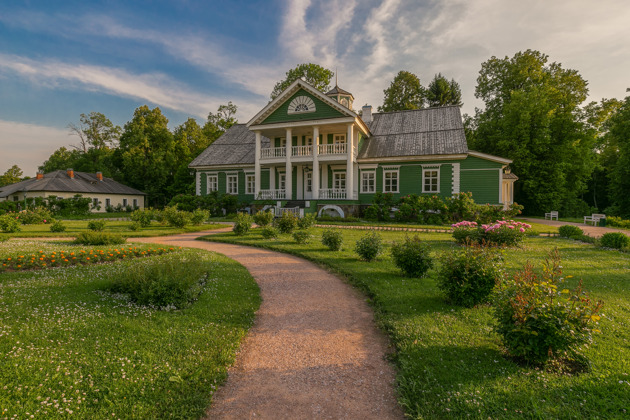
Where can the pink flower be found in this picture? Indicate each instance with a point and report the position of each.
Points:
(512, 227)
(522, 230)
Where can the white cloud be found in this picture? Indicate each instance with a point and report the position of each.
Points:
(29, 145)
(155, 88)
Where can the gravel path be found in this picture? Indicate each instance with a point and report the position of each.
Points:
(314, 351)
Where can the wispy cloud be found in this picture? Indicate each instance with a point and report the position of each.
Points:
(155, 88)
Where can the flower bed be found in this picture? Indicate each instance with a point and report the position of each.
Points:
(43, 259)
(501, 232)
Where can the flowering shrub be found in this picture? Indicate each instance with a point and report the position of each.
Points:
(143, 217)
(467, 276)
(171, 281)
(269, 232)
(333, 239)
(96, 225)
(615, 240)
(570, 231)
(538, 321)
(57, 226)
(501, 232)
(307, 221)
(9, 223)
(369, 246)
(302, 236)
(263, 218)
(242, 224)
(412, 256)
(41, 259)
(287, 222)
(35, 216)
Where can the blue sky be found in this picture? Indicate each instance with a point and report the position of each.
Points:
(59, 59)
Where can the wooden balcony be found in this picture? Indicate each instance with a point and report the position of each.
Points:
(273, 152)
(332, 194)
(332, 149)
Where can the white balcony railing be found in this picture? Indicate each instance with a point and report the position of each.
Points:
(332, 194)
(302, 151)
(272, 194)
(332, 149)
(273, 152)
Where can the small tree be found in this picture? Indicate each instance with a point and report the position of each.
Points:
(412, 256)
(369, 246)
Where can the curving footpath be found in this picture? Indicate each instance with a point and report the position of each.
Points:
(313, 352)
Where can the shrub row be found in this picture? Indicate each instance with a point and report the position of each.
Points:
(613, 240)
(501, 232)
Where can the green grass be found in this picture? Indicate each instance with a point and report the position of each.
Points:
(71, 350)
(74, 227)
(112, 215)
(450, 362)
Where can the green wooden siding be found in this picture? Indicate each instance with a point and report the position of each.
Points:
(483, 184)
(472, 162)
(322, 111)
(222, 182)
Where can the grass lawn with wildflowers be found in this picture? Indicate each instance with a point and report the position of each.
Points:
(451, 363)
(70, 349)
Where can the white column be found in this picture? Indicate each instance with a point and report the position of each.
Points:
(315, 162)
(300, 182)
(349, 163)
(257, 167)
(272, 177)
(289, 173)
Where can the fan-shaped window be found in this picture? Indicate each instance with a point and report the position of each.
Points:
(301, 105)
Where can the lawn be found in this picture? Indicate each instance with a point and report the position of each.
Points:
(74, 227)
(71, 349)
(450, 362)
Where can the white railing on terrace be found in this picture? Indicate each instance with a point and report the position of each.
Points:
(302, 151)
(295, 210)
(272, 194)
(273, 152)
(332, 194)
(332, 149)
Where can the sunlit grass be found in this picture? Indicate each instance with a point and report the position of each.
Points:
(451, 363)
(72, 350)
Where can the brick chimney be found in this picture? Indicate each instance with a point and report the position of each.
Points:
(70, 173)
(99, 176)
(366, 113)
(40, 175)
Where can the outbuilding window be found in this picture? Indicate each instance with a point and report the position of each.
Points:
(232, 184)
(368, 182)
(390, 181)
(249, 184)
(213, 183)
(431, 180)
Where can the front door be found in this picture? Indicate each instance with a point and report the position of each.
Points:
(308, 185)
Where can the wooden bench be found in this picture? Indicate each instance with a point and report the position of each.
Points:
(594, 218)
(551, 215)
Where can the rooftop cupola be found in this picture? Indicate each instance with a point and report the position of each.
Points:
(345, 98)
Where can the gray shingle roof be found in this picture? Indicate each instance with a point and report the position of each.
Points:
(421, 132)
(59, 181)
(235, 147)
(431, 131)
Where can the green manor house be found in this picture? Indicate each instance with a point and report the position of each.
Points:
(310, 150)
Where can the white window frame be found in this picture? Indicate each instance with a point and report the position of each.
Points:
(425, 178)
(282, 180)
(250, 183)
(339, 139)
(283, 142)
(308, 141)
(338, 179)
(365, 175)
(388, 188)
(231, 180)
(212, 183)
(308, 177)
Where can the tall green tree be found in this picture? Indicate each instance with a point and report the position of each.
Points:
(95, 131)
(314, 74)
(405, 92)
(190, 141)
(146, 154)
(60, 159)
(597, 117)
(218, 123)
(618, 143)
(532, 116)
(11, 176)
(441, 92)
